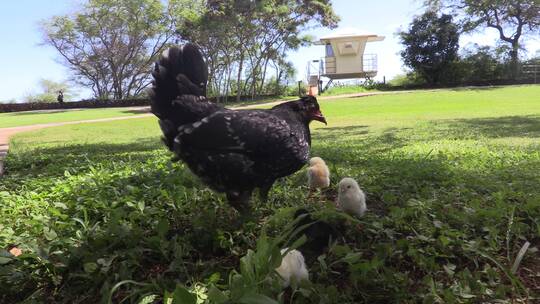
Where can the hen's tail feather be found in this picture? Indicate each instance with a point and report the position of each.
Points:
(179, 71)
(179, 89)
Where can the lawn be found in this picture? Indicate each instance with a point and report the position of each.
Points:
(345, 89)
(100, 212)
(26, 118)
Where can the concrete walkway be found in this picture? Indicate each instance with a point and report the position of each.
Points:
(6, 133)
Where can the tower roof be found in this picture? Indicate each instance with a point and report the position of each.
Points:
(349, 34)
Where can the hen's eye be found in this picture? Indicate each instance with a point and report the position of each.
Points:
(348, 187)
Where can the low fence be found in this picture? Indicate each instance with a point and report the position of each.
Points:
(531, 71)
(479, 83)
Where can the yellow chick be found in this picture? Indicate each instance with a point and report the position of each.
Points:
(318, 174)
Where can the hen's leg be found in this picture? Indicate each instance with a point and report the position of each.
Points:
(263, 192)
(239, 200)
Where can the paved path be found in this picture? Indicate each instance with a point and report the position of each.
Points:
(6, 133)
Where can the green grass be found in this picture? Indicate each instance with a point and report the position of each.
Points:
(259, 100)
(406, 108)
(26, 118)
(17, 119)
(347, 89)
(452, 184)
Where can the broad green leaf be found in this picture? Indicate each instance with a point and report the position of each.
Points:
(182, 296)
(216, 296)
(254, 298)
(60, 205)
(49, 233)
(5, 260)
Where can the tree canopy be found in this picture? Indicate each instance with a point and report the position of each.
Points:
(244, 40)
(511, 18)
(431, 44)
(49, 90)
(109, 46)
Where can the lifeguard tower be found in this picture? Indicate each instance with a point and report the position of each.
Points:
(344, 59)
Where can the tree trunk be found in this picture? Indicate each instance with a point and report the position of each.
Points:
(228, 80)
(261, 88)
(514, 60)
(239, 78)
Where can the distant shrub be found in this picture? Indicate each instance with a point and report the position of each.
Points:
(40, 98)
(274, 88)
(32, 106)
(476, 65)
(407, 80)
(49, 90)
(481, 63)
(292, 90)
(345, 89)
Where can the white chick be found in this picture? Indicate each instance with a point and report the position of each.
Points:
(293, 268)
(318, 174)
(351, 199)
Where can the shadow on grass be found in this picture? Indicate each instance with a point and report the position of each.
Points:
(137, 111)
(367, 94)
(345, 129)
(337, 133)
(360, 137)
(36, 112)
(507, 126)
(54, 161)
(477, 88)
(337, 142)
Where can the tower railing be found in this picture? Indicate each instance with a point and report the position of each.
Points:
(369, 62)
(328, 66)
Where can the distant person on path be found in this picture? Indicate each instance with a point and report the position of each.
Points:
(60, 97)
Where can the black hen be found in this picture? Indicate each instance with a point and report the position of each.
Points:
(231, 151)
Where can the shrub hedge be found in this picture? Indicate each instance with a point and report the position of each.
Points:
(94, 103)
(32, 106)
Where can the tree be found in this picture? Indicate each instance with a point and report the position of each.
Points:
(431, 44)
(482, 64)
(511, 18)
(243, 39)
(49, 92)
(110, 45)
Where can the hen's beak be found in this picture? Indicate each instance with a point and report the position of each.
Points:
(317, 115)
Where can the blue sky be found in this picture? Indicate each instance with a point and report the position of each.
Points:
(23, 61)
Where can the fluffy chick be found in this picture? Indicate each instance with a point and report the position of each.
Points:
(293, 268)
(351, 199)
(318, 174)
